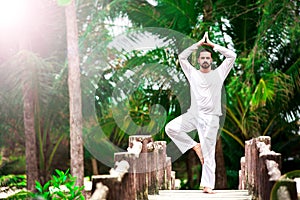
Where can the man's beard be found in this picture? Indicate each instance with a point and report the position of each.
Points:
(205, 65)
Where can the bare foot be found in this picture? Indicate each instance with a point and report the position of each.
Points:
(208, 190)
(197, 149)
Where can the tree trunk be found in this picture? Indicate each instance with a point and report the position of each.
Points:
(192, 163)
(76, 142)
(207, 15)
(207, 10)
(29, 122)
(221, 178)
(94, 166)
(189, 167)
(30, 137)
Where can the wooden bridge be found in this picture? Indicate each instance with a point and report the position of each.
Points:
(145, 173)
(198, 195)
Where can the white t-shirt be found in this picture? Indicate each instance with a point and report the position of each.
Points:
(206, 87)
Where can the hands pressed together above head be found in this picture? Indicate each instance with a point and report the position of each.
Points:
(205, 41)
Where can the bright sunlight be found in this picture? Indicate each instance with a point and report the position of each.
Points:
(12, 13)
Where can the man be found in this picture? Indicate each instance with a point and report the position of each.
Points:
(205, 110)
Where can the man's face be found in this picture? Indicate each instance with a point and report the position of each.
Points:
(205, 60)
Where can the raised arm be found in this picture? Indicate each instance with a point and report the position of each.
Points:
(186, 66)
(183, 57)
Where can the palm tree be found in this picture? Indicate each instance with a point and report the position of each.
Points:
(30, 77)
(30, 139)
(28, 74)
(263, 93)
(264, 90)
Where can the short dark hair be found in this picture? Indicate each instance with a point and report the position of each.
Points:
(205, 50)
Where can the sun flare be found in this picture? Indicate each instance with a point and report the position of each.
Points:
(12, 13)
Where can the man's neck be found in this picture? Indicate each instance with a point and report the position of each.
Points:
(205, 70)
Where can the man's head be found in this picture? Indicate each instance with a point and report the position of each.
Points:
(205, 60)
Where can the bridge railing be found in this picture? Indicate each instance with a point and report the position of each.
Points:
(261, 170)
(144, 169)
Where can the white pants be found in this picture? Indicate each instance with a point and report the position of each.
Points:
(207, 127)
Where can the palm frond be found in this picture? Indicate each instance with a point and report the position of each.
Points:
(177, 15)
(232, 135)
(294, 73)
(28, 67)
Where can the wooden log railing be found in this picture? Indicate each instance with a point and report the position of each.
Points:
(260, 171)
(144, 169)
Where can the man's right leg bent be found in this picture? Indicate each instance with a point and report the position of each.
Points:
(177, 130)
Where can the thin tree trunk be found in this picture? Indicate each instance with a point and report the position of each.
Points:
(29, 123)
(30, 137)
(94, 166)
(207, 10)
(221, 178)
(76, 142)
(207, 15)
(192, 164)
(189, 166)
